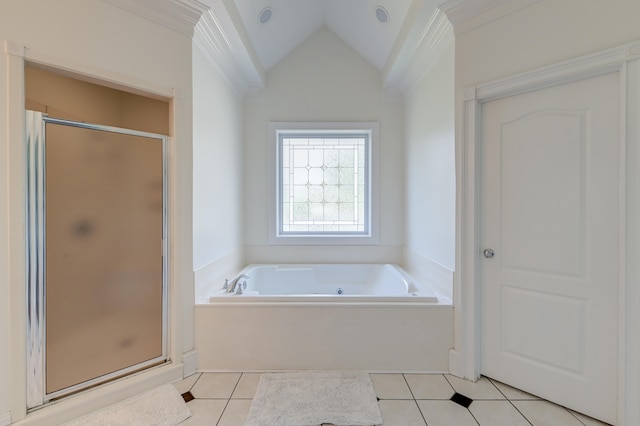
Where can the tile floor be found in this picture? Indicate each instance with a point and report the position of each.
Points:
(223, 399)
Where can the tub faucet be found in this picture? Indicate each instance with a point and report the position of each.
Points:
(233, 284)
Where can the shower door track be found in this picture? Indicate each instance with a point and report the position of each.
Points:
(37, 396)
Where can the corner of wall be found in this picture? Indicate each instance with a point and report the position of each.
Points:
(429, 272)
(456, 363)
(210, 277)
(5, 419)
(189, 363)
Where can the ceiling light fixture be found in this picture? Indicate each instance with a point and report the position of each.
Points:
(382, 15)
(264, 15)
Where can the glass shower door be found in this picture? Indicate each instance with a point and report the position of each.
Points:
(101, 247)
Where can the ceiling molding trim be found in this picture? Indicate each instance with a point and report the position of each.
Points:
(189, 12)
(420, 51)
(178, 15)
(461, 10)
(221, 44)
(416, 18)
(466, 15)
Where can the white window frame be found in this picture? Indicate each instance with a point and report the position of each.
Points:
(370, 236)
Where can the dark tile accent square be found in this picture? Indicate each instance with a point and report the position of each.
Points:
(460, 399)
(187, 396)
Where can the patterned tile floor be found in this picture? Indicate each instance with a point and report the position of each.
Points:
(223, 399)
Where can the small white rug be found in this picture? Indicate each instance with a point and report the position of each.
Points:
(161, 406)
(311, 398)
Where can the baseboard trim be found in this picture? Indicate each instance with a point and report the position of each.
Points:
(455, 363)
(189, 363)
(284, 370)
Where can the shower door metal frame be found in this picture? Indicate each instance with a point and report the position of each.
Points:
(36, 264)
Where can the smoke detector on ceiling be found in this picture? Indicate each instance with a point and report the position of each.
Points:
(382, 15)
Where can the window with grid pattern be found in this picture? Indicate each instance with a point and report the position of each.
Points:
(323, 182)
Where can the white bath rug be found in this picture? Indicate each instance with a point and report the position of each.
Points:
(161, 406)
(312, 398)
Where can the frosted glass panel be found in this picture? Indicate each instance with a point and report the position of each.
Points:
(104, 270)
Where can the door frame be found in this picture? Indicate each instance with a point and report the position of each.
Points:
(37, 395)
(625, 60)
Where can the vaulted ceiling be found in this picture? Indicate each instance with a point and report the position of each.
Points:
(245, 44)
(354, 21)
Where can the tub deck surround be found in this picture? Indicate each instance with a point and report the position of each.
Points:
(325, 283)
(304, 324)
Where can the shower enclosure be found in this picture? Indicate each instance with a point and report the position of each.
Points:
(97, 233)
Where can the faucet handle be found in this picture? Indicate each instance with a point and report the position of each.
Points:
(241, 286)
(226, 284)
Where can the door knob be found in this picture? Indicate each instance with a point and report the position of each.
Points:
(489, 253)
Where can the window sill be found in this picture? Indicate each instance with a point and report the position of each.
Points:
(322, 240)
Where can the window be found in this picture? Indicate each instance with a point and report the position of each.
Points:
(323, 183)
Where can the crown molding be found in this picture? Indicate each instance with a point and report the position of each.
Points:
(459, 11)
(466, 15)
(216, 30)
(178, 15)
(421, 48)
(218, 39)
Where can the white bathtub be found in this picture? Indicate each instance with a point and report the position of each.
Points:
(290, 317)
(325, 283)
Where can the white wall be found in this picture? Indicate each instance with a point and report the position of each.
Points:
(93, 38)
(323, 80)
(430, 162)
(217, 177)
(217, 164)
(545, 33)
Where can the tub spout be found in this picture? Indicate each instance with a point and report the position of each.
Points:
(233, 284)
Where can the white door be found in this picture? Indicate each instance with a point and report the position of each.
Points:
(550, 208)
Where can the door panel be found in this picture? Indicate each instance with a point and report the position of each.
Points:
(104, 262)
(561, 323)
(531, 174)
(549, 209)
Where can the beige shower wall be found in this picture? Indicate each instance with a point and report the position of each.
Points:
(68, 98)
